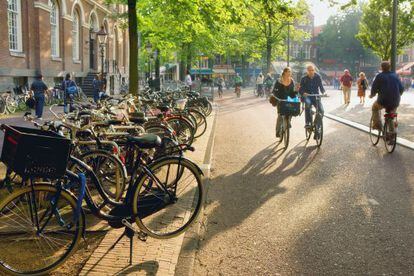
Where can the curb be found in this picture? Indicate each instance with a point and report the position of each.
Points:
(186, 259)
(400, 141)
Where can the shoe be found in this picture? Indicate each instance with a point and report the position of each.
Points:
(40, 118)
(278, 134)
(308, 126)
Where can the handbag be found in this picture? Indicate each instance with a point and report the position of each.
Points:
(273, 100)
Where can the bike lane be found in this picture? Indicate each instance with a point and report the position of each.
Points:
(346, 208)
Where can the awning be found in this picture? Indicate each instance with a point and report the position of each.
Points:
(224, 71)
(201, 71)
(406, 69)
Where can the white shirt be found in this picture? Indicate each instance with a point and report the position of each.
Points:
(260, 80)
(188, 80)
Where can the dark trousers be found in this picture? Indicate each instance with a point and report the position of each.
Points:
(309, 101)
(96, 96)
(40, 102)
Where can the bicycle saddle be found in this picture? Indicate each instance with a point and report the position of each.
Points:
(138, 120)
(146, 141)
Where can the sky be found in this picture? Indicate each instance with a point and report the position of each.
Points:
(322, 11)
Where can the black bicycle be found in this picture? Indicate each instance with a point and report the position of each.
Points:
(42, 223)
(388, 132)
(316, 127)
(286, 109)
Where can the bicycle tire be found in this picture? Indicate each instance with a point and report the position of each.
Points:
(375, 138)
(281, 130)
(14, 260)
(11, 104)
(98, 158)
(201, 122)
(3, 108)
(319, 131)
(389, 147)
(286, 133)
(144, 190)
(183, 129)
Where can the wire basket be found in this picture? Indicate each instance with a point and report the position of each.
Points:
(289, 108)
(180, 104)
(35, 153)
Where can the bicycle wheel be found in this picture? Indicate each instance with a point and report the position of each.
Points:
(374, 135)
(281, 130)
(183, 129)
(286, 133)
(318, 130)
(308, 133)
(2, 106)
(39, 229)
(390, 138)
(168, 201)
(11, 104)
(109, 170)
(201, 122)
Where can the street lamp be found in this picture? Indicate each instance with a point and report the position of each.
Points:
(394, 35)
(102, 37)
(148, 47)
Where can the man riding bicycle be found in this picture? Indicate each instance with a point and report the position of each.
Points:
(238, 81)
(311, 84)
(389, 89)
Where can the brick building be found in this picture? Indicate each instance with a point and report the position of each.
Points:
(56, 37)
(305, 50)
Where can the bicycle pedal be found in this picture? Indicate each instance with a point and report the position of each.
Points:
(142, 236)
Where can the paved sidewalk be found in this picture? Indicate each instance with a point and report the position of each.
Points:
(361, 114)
(153, 257)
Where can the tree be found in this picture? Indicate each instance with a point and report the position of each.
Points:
(375, 27)
(338, 41)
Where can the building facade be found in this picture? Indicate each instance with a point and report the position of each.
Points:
(305, 50)
(55, 37)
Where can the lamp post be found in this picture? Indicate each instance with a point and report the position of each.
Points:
(288, 45)
(102, 37)
(148, 47)
(394, 35)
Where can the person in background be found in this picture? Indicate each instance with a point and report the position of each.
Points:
(268, 83)
(238, 81)
(70, 89)
(389, 89)
(188, 80)
(97, 87)
(362, 83)
(259, 84)
(39, 89)
(220, 86)
(284, 87)
(346, 84)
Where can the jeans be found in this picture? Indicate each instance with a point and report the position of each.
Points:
(309, 102)
(40, 102)
(96, 96)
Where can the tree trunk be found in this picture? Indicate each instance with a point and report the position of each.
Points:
(189, 57)
(157, 65)
(182, 62)
(243, 66)
(269, 48)
(133, 46)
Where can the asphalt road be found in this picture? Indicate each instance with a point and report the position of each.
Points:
(343, 209)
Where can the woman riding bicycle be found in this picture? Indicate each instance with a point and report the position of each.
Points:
(284, 88)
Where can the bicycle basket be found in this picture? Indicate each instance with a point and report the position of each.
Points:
(35, 153)
(289, 108)
(180, 104)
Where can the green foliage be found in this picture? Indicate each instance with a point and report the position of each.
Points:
(375, 27)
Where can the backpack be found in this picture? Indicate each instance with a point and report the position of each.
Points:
(71, 89)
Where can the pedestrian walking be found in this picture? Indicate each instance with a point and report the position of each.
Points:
(362, 83)
(346, 84)
(39, 88)
(98, 87)
(268, 83)
(220, 86)
(70, 90)
(188, 80)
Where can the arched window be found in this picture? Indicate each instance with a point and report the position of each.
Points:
(75, 36)
(54, 28)
(14, 15)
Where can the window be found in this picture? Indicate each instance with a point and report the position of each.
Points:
(15, 25)
(54, 28)
(75, 36)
